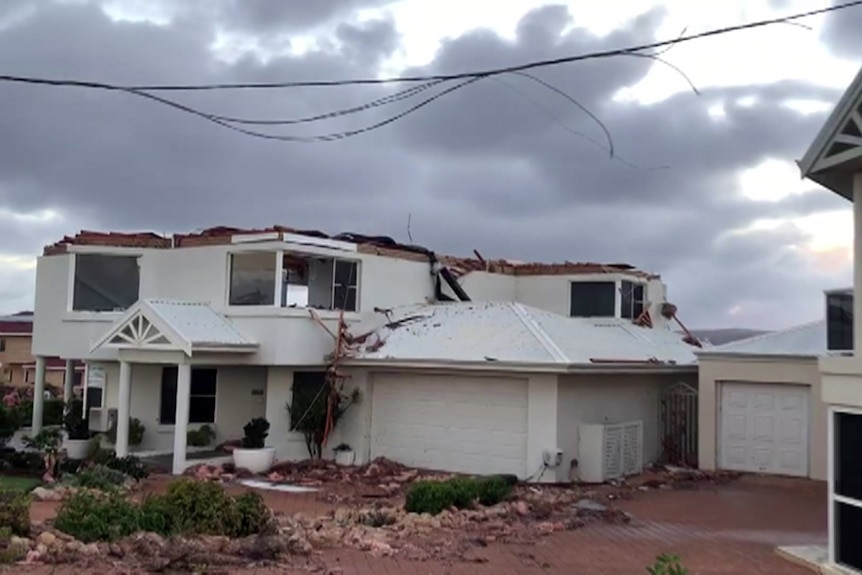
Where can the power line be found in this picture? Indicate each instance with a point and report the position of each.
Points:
(457, 76)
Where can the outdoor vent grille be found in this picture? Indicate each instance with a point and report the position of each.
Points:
(610, 451)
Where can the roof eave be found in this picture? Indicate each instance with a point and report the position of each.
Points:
(224, 347)
(758, 356)
(521, 367)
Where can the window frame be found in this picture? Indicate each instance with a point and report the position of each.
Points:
(280, 285)
(297, 379)
(73, 272)
(354, 273)
(840, 328)
(614, 285)
(629, 304)
(834, 499)
(192, 396)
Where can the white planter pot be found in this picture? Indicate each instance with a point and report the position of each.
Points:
(255, 460)
(77, 448)
(346, 457)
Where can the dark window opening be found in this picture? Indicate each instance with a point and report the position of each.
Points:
(252, 278)
(2, 344)
(345, 285)
(94, 399)
(632, 299)
(202, 398)
(848, 526)
(847, 474)
(593, 299)
(307, 395)
(839, 322)
(105, 282)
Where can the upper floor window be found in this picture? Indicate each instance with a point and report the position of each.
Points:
(839, 322)
(105, 282)
(2, 344)
(593, 299)
(306, 281)
(632, 299)
(252, 278)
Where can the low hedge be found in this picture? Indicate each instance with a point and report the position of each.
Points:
(460, 492)
(188, 507)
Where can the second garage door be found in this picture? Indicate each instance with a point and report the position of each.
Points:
(764, 428)
(451, 423)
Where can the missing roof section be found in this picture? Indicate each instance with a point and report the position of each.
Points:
(376, 245)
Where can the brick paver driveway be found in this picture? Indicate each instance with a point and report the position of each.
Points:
(729, 529)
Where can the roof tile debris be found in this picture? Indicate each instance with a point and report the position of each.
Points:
(376, 245)
(515, 333)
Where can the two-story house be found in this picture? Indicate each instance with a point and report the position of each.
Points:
(17, 365)
(462, 364)
(834, 160)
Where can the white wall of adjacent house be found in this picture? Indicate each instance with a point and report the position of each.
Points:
(240, 397)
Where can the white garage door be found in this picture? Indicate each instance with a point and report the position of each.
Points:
(764, 428)
(451, 423)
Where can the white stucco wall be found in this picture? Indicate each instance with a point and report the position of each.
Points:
(611, 399)
(235, 404)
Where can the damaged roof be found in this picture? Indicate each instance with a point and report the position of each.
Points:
(376, 245)
(514, 333)
(806, 340)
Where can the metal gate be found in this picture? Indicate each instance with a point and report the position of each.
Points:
(678, 425)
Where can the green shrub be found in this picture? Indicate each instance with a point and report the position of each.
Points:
(10, 422)
(15, 511)
(492, 490)
(188, 507)
(136, 432)
(52, 413)
(8, 552)
(200, 437)
(253, 516)
(667, 565)
(90, 517)
(130, 465)
(429, 497)
(460, 492)
(465, 491)
(27, 461)
(98, 477)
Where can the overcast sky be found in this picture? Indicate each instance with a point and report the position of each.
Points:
(703, 189)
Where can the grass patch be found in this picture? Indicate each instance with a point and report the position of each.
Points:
(18, 483)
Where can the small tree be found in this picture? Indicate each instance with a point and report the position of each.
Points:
(74, 423)
(309, 412)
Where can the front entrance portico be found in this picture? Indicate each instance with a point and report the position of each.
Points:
(169, 333)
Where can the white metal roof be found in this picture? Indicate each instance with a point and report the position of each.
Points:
(806, 340)
(516, 333)
(184, 325)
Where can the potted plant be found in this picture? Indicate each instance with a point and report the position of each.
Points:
(253, 454)
(344, 454)
(77, 442)
(136, 432)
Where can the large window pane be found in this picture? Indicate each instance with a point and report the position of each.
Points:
(105, 282)
(847, 455)
(202, 399)
(307, 395)
(593, 299)
(839, 322)
(345, 285)
(631, 299)
(252, 278)
(848, 527)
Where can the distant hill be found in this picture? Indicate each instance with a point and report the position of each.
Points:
(727, 335)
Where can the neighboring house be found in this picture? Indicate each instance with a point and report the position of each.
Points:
(17, 364)
(760, 408)
(834, 160)
(216, 328)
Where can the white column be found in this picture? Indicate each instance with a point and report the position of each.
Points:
(124, 409)
(68, 381)
(38, 395)
(181, 419)
(857, 264)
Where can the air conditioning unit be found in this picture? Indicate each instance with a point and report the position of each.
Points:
(609, 451)
(101, 419)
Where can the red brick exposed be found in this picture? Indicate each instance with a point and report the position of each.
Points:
(222, 235)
